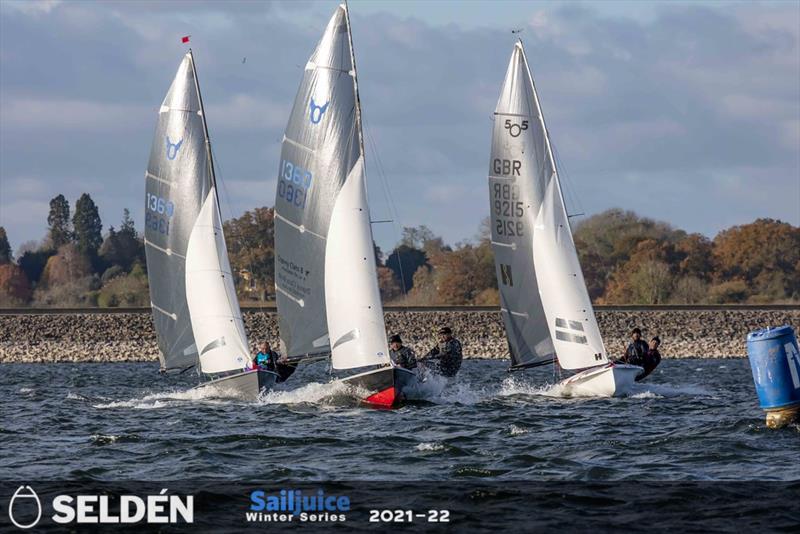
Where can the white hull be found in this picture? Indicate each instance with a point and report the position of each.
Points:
(611, 380)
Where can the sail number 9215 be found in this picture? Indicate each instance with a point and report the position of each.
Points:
(507, 210)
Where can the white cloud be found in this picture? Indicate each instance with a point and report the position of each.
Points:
(32, 7)
(55, 114)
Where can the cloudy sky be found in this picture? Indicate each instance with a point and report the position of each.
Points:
(686, 112)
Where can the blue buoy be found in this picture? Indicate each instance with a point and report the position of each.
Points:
(775, 362)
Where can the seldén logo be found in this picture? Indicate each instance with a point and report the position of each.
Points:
(26, 495)
(290, 505)
(25, 509)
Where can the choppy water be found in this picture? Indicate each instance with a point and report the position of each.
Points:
(693, 420)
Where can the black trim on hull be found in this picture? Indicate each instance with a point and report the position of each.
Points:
(524, 366)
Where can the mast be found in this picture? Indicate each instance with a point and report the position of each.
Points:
(355, 80)
(205, 126)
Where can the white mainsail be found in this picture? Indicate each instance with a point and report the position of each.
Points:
(532, 239)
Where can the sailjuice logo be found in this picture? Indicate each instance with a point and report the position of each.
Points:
(172, 148)
(317, 111)
(292, 505)
(21, 506)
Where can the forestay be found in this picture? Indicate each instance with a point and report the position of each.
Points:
(325, 271)
(546, 308)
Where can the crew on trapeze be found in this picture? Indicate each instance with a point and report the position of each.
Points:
(270, 360)
(445, 358)
(642, 354)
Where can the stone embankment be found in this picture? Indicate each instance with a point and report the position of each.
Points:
(125, 337)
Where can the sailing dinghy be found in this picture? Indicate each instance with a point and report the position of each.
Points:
(325, 273)
(195, 309)
(544, 302)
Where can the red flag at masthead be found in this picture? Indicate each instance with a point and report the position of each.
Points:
(185, 38)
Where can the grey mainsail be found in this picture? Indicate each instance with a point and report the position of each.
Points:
(178, 180)
(546, 307)
(519, 169)
(320, 149)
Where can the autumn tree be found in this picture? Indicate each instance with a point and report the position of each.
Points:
(607, 240)
(68, 265)
(15, 289)
(87, 226)
(388, 284)
(5, 248)
(764, 254)
(58, 222)
(251, 249)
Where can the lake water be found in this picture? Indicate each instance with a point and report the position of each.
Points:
(692, 420)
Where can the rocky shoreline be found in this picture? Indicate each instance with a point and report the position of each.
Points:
(129, 337)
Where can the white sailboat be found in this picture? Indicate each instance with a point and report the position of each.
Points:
(325, 272)
(195, 309)
(544, 302)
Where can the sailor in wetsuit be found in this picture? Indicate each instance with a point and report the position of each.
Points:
(652, 359)
(270, 360)
(447, 354)
(401, 355)
(636, 352)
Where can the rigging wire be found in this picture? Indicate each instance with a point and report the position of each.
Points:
(389, 199)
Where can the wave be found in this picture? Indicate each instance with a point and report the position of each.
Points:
(167, 399)
(429, 447)
(325, 393)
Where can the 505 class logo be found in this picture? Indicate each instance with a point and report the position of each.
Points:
(25, 509)
(515, 129)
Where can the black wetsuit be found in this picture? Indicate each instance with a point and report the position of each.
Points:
(636, 353)
(651, 361)
(448, 355)
(269, 361)
(404, 357)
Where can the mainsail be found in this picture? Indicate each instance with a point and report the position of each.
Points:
(195, 310)
(544, 302)
(325, 273)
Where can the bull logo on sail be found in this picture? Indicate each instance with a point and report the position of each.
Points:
(317, 111)
(172, 148)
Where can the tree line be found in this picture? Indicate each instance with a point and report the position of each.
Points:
(626, 259)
